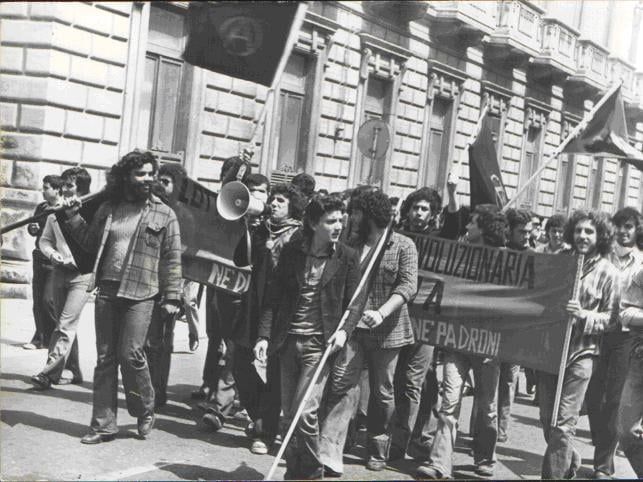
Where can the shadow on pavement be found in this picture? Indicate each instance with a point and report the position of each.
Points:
(528, 465)
(194, 472)
(16, 417)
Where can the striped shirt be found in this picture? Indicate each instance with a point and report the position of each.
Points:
(596, 295)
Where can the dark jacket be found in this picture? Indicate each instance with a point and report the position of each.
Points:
(338, 283)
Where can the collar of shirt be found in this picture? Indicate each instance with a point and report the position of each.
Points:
(305, 245)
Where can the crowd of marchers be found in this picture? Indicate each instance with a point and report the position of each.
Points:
(308, 254)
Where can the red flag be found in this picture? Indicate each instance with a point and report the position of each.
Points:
(606, 134)
(245, 40)
(485, 179)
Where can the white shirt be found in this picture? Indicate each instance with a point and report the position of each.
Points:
(52, 241)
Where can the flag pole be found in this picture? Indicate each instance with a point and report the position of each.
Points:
(290, 43)
(572, 135)
(362, 284)
(565, 353)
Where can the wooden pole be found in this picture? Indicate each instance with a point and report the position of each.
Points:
(362, 284)
(568, 335)
(581, 125)
(45, 213)
(290, 43)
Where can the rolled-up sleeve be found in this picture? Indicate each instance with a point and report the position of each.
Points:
(47, 243)
(406, 283)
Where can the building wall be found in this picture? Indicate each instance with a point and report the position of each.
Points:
(73, 82)
(62, 83)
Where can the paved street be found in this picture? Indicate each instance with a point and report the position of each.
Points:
(40, 431)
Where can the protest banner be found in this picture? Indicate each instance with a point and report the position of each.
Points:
(210, 243)
(493, 302)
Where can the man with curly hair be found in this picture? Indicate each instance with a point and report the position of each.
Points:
(589, 234)
(313, 284)
(384, 329)
(416, 384)
(488, 227)
(135, 238)
(606, 385)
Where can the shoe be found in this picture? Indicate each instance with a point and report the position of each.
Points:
(30, 346)
(201, 394)
(145, 425)
(599, 474)
(194, 342)
(41, 381)
(484, 470)
(428, 472)
(63, 381)
(213, 421)
(375, 465)
(93, 438)
(259, 447)
(502, 438)
(328, 472)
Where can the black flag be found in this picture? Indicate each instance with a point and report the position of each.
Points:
(485, 179)
(245, 40)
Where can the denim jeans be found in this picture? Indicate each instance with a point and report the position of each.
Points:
(121, 331)
(69, 289)
(343, 395)
(486, 373)
(506, 390)
(630, 414)
(261, 400)
(43, 304)
(189, 298)
(413, 364)
(299, 357)
(604, 396)
(158, 349)
(561, 459)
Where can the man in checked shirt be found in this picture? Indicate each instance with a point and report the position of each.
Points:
(589, 234)
(385, 327)
(137, 244)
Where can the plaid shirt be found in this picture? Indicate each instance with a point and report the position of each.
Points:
(397, 274)
(596, 295)
(152, 264)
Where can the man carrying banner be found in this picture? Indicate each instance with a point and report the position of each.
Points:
(416, 384)
(487, 226)
(313, 284)
(135, 238)
(520, 227)
(384, 329)
(68, 288)
(589, 234)
(606, 385)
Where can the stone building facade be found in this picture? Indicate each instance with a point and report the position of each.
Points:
(83, 83)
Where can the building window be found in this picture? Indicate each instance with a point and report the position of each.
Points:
(530, 164)
(439, 134)
(564, 182)
(164, 107)
(376, 106)
(594, 183)
(291, 115)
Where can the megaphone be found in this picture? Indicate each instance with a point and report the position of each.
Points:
(235, 201)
